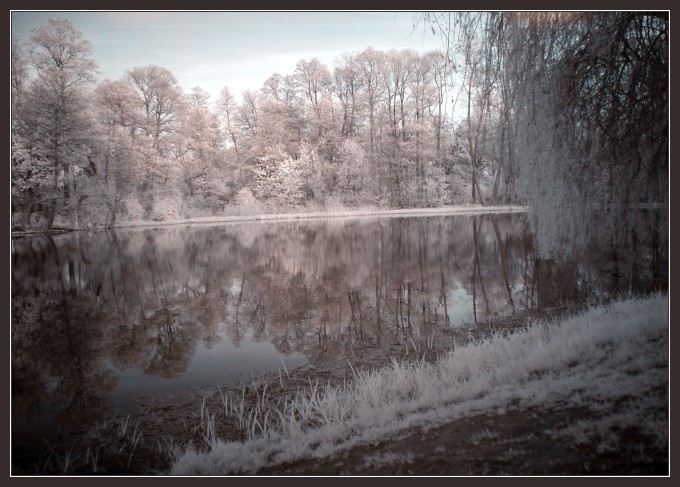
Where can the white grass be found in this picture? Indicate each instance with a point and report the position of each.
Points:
(608, 353)
(446, 210)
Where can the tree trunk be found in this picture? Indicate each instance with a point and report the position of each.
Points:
(111, 223)
(479, 192)
(52, 209)
(474, 181)
(28, 211)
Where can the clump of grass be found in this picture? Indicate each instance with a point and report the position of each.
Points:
(58, 463)
(112, 442)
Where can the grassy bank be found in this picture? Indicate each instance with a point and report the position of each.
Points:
(610, 361)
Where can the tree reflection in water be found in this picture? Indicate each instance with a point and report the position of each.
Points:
(87, 306)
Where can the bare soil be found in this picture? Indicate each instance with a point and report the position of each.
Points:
(518, 442)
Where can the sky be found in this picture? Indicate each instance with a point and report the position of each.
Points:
(239, 50)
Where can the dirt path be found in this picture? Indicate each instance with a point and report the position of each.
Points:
(518, 442)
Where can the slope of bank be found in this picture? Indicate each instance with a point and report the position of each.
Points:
(605, 368)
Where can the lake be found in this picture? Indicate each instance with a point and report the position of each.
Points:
(101, 320)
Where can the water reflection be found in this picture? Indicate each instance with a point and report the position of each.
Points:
(98, 317)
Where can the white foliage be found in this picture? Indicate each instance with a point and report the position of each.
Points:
(132, 208)
(279, 179)
(245, 198)
(28, 170)
(435, 186)
(166, 207)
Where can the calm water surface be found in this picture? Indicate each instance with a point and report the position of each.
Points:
(102, 319)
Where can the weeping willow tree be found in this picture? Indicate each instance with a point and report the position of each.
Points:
(584, 102)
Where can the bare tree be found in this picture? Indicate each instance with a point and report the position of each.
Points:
(349, 85)
(227, 107)
(314, 82)
(370, 63)
(159, 98)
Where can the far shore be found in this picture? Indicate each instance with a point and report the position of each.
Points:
(312, 215)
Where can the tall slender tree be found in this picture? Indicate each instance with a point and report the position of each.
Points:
(54, 120)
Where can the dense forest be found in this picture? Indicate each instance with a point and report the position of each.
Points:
(565, 112)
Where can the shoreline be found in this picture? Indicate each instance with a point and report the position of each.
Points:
(315, 215)
(177, 420)
(160, 432)
(312, 215)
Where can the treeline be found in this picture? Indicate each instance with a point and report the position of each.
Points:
(371, 131)
(564, 111)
